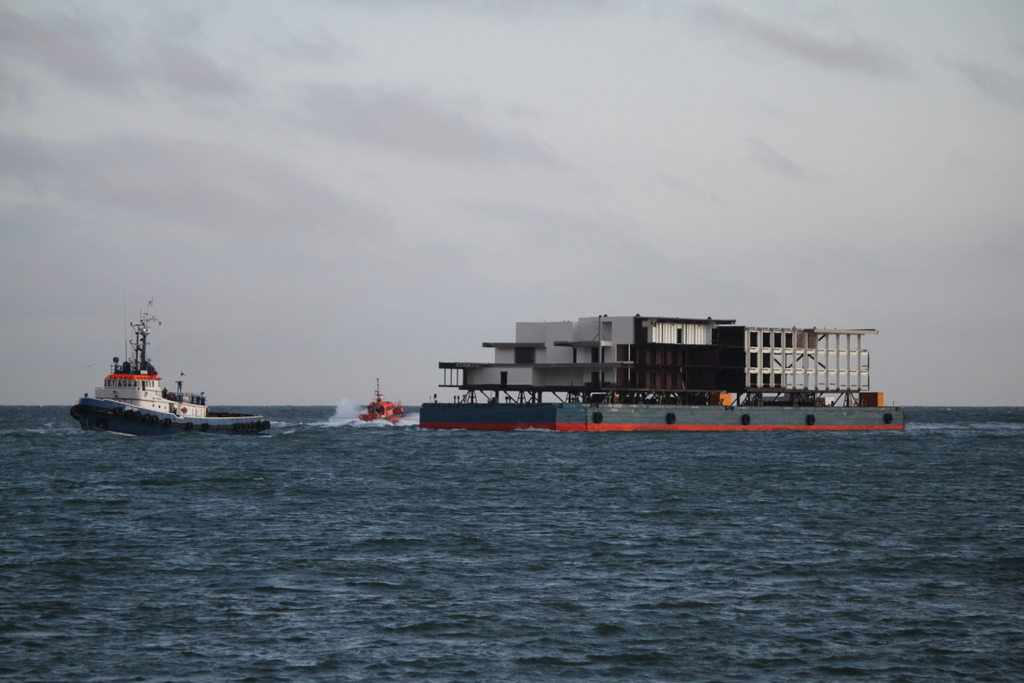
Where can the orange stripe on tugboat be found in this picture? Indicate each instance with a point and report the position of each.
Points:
(134, 377)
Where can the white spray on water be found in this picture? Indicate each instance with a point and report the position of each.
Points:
(345, 413)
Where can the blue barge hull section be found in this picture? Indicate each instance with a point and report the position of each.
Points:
(569, 417)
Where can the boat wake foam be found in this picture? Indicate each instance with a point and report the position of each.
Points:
(345, 413)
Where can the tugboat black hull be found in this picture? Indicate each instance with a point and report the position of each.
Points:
(122, 418)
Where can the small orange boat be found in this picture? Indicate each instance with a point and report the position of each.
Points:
(379, 409)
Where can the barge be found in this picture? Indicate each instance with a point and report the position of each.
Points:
(642, 373)
(133, 401)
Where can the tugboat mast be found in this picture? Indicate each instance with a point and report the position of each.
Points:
(142, 331)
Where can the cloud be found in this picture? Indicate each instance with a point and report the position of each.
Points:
(503, 8)
(689, 190)
(187, 69)
(12, 90)
(854, 54)
(213, 188)
(77, 52)
(553, 244)
(322, 48)
(991, 81)
(408, 123)
(64, 46)
(767, 157)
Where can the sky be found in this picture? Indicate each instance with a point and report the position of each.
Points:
(318, 193)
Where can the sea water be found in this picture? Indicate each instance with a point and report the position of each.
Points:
(328, 550)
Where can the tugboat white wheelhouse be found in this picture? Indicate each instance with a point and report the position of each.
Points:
(132, 400)
(618, 373)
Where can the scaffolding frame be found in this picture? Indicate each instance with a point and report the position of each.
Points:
(814, 360)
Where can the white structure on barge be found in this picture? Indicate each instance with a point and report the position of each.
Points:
(660, 360)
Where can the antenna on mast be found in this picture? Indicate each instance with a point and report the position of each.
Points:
(124, 304)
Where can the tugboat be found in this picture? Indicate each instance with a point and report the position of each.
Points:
(379, 409)
(132, 401)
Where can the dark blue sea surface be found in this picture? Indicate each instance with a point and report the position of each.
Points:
(328, 551)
